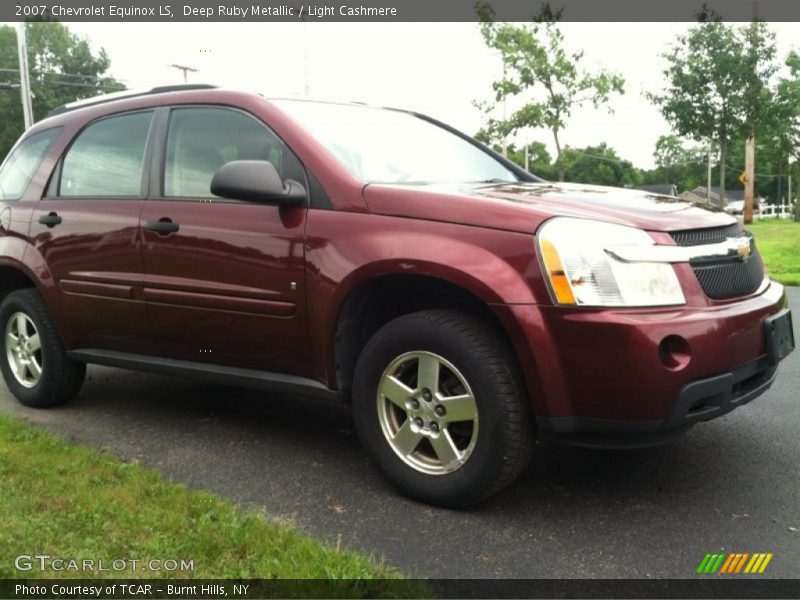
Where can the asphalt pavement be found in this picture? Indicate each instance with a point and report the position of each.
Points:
(731, 485)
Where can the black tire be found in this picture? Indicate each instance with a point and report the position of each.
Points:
(504, 440)
(61, 378)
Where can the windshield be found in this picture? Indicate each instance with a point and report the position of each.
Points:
(388, 146)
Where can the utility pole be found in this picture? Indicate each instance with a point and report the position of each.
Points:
(527, 158)
(749, 178)
(24, 76)
(185, 70)
(750, 145)
(505, 138)
(708, 181)
(306, 86)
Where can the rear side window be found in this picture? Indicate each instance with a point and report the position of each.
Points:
(107, 158)
(23, 161)
(202, 139)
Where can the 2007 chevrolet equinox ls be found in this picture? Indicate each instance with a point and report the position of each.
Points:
(461, 305)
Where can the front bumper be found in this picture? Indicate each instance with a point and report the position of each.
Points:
(700, 400)
(597, 377)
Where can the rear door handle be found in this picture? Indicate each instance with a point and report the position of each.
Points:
(51, 219)
(163, 226)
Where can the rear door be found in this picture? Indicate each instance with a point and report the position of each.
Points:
(224, 279)
(87, 229)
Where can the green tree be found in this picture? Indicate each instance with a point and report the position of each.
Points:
(678, 163)
(63, 69)
(599, 165)
(539, 160)
(540, 72)
(787, 119)
(718, 84)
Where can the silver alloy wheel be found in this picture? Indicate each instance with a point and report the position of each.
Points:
(23, 349)
(427, 413)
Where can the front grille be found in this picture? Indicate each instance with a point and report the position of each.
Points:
(727, 278)
(709, 235)
(730, 279)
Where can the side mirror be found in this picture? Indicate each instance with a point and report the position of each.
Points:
(256, 181)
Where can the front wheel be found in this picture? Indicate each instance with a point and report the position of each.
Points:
(34, 364)
(438, 402)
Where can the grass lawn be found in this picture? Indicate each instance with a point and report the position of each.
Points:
(778, 240)
(69, 501)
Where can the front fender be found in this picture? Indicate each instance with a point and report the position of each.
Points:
(345, 249)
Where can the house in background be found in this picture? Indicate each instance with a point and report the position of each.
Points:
(660, 189)
(734, 199)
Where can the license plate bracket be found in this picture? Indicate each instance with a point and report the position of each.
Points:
(779, 336)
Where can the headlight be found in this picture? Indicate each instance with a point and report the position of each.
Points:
(581, 272)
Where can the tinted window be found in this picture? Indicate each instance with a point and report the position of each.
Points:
(106, 159)
(201, 140)
(22, 163)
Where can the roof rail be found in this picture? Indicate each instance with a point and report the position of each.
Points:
(162, 89)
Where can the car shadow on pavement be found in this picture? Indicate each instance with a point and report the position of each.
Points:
(167, 414)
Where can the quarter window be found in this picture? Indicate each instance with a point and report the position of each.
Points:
(17, 170)
(200, 140)
(107, 158)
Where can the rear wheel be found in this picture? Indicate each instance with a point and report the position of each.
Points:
(439, 403)
(34, 364)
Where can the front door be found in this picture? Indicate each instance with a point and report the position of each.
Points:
(224, 279)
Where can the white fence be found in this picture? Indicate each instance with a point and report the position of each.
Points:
(775, 211)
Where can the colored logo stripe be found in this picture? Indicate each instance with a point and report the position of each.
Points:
(758, 563)
(734, 563)
(711, 563)
(727, 564)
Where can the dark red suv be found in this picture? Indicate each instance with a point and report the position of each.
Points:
(461, 305)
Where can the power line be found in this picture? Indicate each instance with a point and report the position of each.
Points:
(56, 74)
(55, 79)
(773, 175)
(618, 161)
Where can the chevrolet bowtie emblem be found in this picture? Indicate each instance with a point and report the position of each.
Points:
(743, 248)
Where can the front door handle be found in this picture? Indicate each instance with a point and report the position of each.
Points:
(51, 219)
(163, 226)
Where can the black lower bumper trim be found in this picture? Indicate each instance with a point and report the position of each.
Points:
(712, 397)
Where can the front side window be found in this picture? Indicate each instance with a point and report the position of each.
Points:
(107, 158)
(22, 163)
(202, 139)
(390, 146)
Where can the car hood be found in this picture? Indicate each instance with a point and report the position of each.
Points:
(524, 206)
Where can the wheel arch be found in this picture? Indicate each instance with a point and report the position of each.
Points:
(15, 276)
(376, 300)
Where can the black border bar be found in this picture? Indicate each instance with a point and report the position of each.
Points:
(713, 586)
(200, 11)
